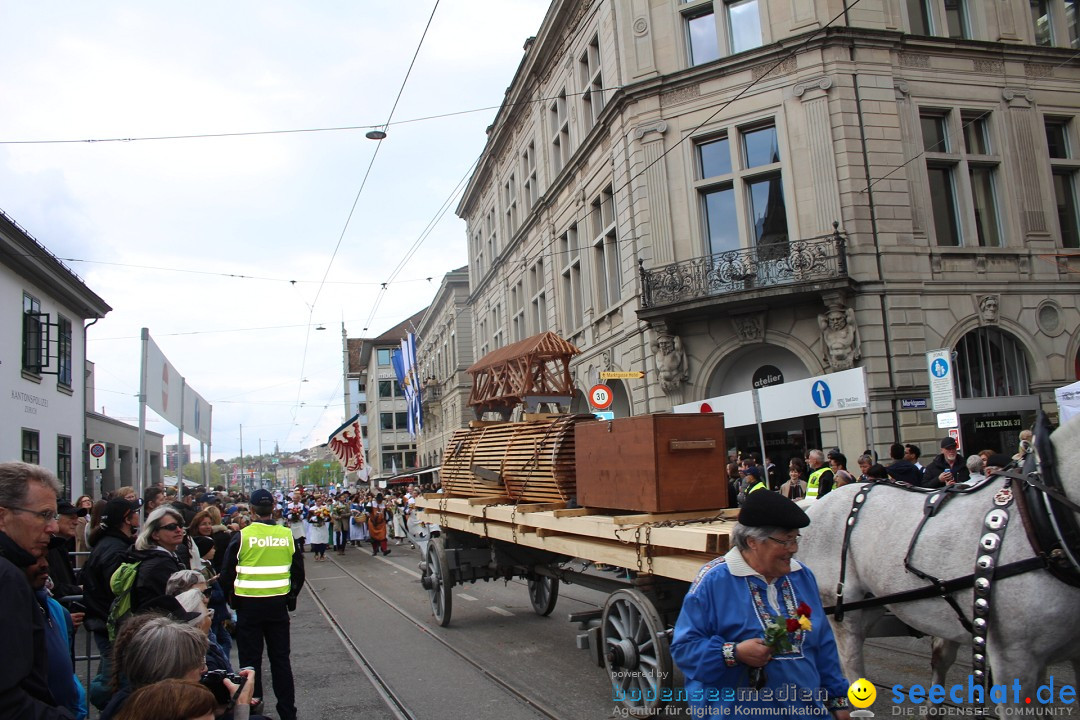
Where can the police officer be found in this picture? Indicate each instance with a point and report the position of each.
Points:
(820, 481)
(262, 575)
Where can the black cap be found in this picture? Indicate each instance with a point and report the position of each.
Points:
(752, 470)
(116, 510)
(64, 507)
(766, 508)
(168, 605)
(208, 498)
(262, 498)
(948, 443)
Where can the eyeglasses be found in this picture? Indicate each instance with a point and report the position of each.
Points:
(170, 527)
(788, 544)
(46, 516)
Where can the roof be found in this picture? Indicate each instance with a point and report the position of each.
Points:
(396, 333)
(354, 348)
(547, 344)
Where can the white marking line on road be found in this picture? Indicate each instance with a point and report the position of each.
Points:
(394, 565)
(500, 611)
(466, 596)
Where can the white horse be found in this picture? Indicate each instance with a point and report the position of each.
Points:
(1035, 618)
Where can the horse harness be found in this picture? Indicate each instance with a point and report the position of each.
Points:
(1054, 536)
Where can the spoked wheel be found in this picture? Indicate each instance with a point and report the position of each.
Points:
(636, 652)
(544, 593)
(434, 578)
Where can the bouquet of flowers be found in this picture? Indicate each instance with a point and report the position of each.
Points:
(778, 634)
(318, 515)
(339, 511)
(294, 515)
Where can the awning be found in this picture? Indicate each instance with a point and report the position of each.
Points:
(407, 476)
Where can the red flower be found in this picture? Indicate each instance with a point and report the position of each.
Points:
(803, 609)
(792, 625)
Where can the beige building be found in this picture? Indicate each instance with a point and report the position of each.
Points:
(730, 194)
(444, 352)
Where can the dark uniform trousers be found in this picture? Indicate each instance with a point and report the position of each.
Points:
(267, 618)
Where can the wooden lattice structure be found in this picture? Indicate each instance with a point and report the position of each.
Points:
(536, 368)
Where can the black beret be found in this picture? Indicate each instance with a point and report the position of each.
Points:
(765, 508)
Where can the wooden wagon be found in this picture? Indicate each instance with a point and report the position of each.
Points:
(510, 509)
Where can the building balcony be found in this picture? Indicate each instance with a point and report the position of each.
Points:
(430, 395)
(775, 270)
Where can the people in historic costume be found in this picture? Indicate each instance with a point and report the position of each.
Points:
(358, 532)
(377, 521)
(399, 519)
(295, 519)
(340, 518)
(758, 591)
(319, 529)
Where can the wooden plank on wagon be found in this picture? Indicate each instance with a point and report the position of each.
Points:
(640, 518)
(489, 500)
(573, 512)
(539, 507)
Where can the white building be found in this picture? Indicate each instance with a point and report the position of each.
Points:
(43, 357)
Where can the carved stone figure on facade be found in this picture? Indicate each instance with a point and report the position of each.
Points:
(839, 337)
(988, 309)
(671, 363)
(748, 327)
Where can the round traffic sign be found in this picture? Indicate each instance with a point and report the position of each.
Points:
(97, 450)
(821, 394)
(600, 396)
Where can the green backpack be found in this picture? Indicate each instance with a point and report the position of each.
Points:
(121, 583)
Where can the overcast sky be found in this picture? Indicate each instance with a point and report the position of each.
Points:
(200, 239)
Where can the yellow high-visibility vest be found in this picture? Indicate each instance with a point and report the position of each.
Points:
(264, 561)
(815, 480)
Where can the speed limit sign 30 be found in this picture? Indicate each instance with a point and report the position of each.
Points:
(600, 397)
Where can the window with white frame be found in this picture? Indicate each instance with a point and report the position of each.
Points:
(559, 123)
(605, 254)
(962, 164)
(1065, 170)
(530, 189)
(498, 337)
(1056, 22)
(478, 254)
(482, 336)
(573, 302)
(510, 203)
(492, 236)
(63, 335)
(517, 307)
(592, 83)
(717, 28)
(943, 18)
(538, 297)
(741, 191)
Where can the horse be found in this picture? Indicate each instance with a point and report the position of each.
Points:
(1034, 618)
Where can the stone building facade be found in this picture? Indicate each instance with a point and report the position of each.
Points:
(444, 352)
(729, 193)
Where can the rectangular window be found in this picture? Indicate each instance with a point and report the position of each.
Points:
(943, 199)
(498, 338)
(606, 270)
(401, 420)
(531, 189)
(560, 133)
(34, 335)
(956, 19)
(386, 420)
(984, 199)
(383, 356)
(739, 28)
(538, 299)
(510, 203)
(1072, 21)
(517, 308)
(919, 17)
(31, 449)
(63, 463)
(744, 24)
(63, 332)
(1065, 169)
(1040, 20)
(976, 133)
(386, 388)
(492, 237)
(478, 255)
(935, 138)
(592, 83)
(573, 304)
(701, 36)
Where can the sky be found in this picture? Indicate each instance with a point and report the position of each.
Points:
(234, 250)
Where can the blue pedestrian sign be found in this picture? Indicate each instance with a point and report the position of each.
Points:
(821, 394)
(939, 370)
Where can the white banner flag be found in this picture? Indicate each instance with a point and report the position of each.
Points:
(162, 384)
(196, 415)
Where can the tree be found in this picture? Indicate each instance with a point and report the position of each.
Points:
(194, 472)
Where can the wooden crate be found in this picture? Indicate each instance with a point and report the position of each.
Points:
(653, 463)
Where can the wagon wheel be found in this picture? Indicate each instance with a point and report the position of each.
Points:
(434, 578)
(544, 593)
(636, 653)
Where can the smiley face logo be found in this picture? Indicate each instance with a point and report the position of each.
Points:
(862, 693)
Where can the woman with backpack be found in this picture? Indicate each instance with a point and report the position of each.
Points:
(155, 553)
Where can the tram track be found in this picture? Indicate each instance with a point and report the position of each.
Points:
(386, 692)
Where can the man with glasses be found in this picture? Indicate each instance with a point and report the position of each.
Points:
(27, 522)
(719, 643)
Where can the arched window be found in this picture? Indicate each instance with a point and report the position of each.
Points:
(991, 363)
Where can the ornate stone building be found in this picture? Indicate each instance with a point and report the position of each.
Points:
(727, 194)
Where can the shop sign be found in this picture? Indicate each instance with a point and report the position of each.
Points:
(999, 423)
(767, 375)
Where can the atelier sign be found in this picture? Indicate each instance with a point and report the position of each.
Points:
(767, 375)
